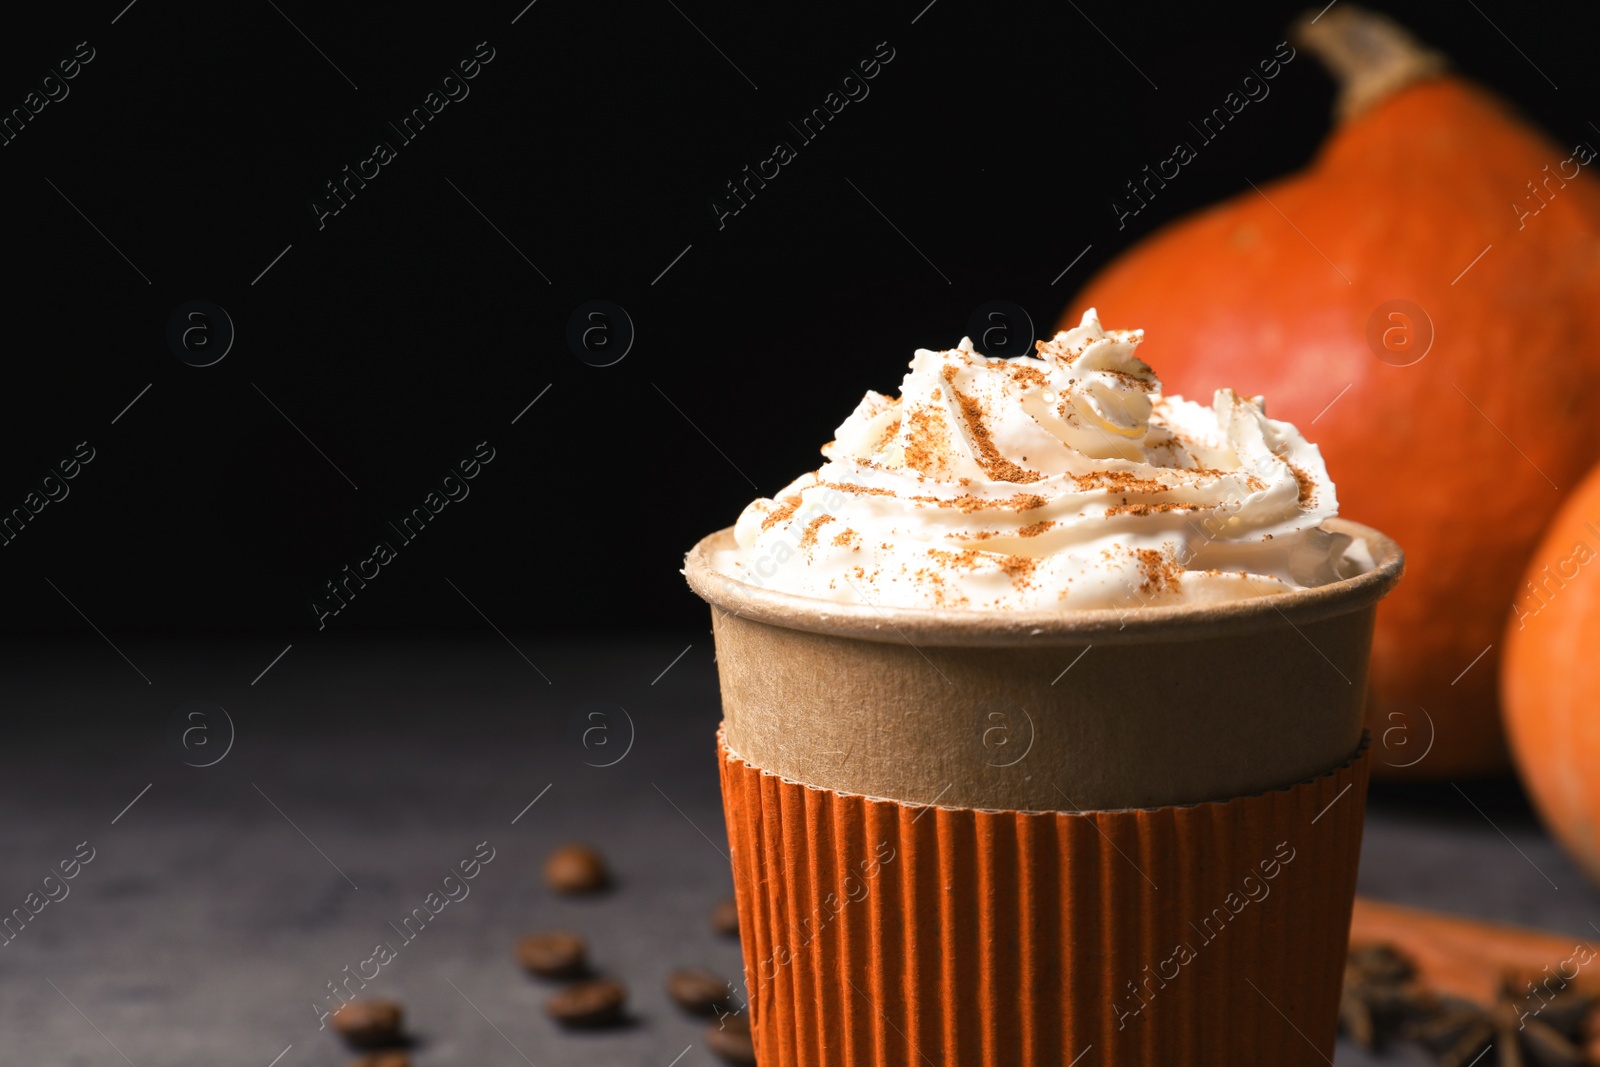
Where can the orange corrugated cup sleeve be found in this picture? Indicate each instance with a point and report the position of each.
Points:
(896, 935)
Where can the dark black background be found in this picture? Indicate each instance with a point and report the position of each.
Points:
(408, 329)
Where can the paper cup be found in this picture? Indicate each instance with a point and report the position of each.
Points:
(1022, 838)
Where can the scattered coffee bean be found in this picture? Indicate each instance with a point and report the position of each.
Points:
(730, 1038)
(596, 1003)
(383, 1059)
(725, 918)
(368, 1023)
(698, 991)
(553, 955)
(576, 869)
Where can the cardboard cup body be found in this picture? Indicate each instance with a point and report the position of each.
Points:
(1003, 837)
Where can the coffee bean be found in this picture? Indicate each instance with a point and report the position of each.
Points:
(553, 955)
(698, 991)
(383, 1059)
(596, 1003)
(576, 869)
(368, 1023)
(725, 918)
(730, 1038)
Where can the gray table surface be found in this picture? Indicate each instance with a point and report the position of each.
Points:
(221, 902)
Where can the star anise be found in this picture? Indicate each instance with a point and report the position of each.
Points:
(1524, 1028)
(1527, 1025)
(1381, 996)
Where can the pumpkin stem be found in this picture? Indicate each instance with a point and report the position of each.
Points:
(1371, 56)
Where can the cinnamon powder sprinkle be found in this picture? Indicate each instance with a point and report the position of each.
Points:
(1058, 351)
(808, 536)
(1019, 569)
(989, 458)
(934, 581)
(846, 536)
(782, 513)
(927, 448)
(966, 558)
(1027, 375)
(1031, 530)
(969, 503)
(1150, 509)
(1160, 573)
(1130, 379)
(1308, 488)
(862, 490)
(1254, 484)
(1126, 481)
(966, 503)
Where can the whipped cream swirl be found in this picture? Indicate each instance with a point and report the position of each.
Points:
(1058, 480)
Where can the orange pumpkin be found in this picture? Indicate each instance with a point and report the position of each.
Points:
(1551, 679)
(1451, 422)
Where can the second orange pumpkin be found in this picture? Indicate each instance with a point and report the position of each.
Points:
(1552, 677)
